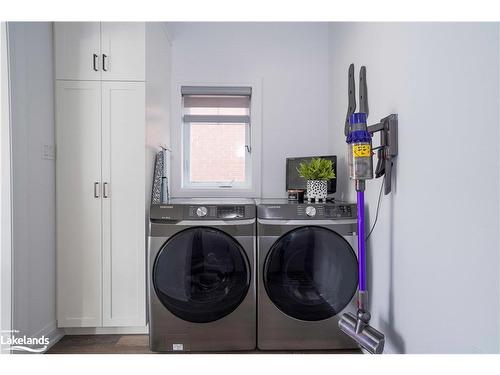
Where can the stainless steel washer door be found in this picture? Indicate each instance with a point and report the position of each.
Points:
(201, 274)
(311, 273)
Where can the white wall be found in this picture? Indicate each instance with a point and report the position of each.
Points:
(158, 82)
(32, 90)
(291, 61)
(5, 192)
(433, 256)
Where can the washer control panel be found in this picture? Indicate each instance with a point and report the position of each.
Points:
(320, 211)
(193, 209)
(224, 212)
(307, 211)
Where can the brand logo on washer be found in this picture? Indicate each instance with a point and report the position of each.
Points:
(177, 347)
(273, 206)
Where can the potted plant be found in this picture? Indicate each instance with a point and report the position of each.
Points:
(317, 173)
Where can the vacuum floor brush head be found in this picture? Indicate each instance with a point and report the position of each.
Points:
(368, 338)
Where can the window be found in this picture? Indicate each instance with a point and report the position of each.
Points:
(216, 137)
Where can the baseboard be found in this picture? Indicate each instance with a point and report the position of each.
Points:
(50, 331)
(107, 330)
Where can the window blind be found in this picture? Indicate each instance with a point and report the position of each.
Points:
(216, 90)
(216, 104)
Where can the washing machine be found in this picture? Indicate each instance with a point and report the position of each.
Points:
(202, 292)
(307, 274)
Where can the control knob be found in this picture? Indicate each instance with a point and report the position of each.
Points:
(310, 211)
(201, 211)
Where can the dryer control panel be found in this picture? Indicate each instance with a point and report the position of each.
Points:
(306, 211)
(324, 211)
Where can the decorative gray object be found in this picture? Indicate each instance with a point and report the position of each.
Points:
(156, 193)
(165, 194)
(317, 190)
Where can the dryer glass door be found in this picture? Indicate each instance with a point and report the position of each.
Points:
(201, 274)
(311, 273)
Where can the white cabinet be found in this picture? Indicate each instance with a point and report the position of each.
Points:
(123, 51)
(123, 169)
(111, 51)
(78, 205)
(77, 50)
(100, 170)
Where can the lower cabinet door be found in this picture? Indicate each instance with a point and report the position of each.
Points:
(78, 187)
(123, 163)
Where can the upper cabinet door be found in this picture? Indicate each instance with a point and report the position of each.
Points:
(123, 51)
(77, 50)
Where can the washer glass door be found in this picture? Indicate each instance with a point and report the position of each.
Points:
(201, 274)
(311, 273)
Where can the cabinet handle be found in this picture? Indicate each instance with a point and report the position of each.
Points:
(105, 190)
(96, 189)
(95, 62)
(104, 62)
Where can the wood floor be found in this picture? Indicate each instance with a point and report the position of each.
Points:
(132, 344)
(101, 344)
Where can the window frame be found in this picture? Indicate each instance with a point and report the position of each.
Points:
(179, 141)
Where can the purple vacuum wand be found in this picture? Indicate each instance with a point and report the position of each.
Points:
(361, 241)
(363, 314)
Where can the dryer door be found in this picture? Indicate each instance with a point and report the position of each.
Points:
(201, 274)
(311, 273)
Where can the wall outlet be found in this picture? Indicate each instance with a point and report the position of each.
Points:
(48, 152)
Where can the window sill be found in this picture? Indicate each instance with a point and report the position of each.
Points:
(215, 193)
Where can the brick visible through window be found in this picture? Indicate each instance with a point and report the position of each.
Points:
(217, 153)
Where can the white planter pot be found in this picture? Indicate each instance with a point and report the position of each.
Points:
(317, 189)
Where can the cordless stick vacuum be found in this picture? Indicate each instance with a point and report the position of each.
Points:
(359, 140)
(361, 169)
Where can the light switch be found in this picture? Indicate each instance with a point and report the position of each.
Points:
(48, 152)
